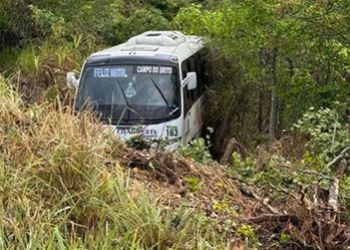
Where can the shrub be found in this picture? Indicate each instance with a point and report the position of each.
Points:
(327, 131)
(198, 150)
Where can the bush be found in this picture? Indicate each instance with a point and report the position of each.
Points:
(198, 150)
(327, 131)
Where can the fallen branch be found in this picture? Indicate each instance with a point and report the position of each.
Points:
(287, 192)
(341, 155)
(272, 217)
(312, 172)
(248, 192)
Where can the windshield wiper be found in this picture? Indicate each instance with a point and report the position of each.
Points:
(160, 92)
(127, 106)
(124, 96)
(173, 111)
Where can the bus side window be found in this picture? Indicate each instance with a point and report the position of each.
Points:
(188, 95)
(193, 68)
(199, 70)
(204, 69)
(192, 64)
(185, 68)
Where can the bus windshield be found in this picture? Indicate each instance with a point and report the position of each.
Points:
(130, 94)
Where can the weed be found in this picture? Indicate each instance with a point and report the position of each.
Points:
(284, 238)
(193, 183)
(198, 150)
(223, 207)
(248, 232)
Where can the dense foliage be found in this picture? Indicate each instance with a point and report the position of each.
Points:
(282, 57)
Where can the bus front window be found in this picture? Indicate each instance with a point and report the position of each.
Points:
(131, 94)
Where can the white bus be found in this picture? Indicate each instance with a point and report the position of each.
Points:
(152, 86)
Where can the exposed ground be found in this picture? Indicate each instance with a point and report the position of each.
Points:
(306, 220)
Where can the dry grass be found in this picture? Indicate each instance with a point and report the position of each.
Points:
(63, 186)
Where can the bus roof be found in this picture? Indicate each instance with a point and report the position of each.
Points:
(155, 44)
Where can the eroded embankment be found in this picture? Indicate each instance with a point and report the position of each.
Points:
(304, 218)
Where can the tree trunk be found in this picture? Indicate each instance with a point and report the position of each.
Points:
(261, 93)
(273, 107)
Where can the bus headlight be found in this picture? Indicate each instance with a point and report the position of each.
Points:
(172, 141)
(168, 144)
(172, 144)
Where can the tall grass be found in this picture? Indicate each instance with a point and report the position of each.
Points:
(40, 67)
(61, 54)
(62, 187)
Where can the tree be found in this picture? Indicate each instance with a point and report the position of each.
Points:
(293, 54)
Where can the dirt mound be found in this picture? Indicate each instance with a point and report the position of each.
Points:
(173, 179)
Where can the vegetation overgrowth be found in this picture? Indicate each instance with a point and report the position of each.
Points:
(280, 69)
(63, 187)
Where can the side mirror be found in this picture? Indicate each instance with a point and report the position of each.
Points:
(192, 80)
(72, 81)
